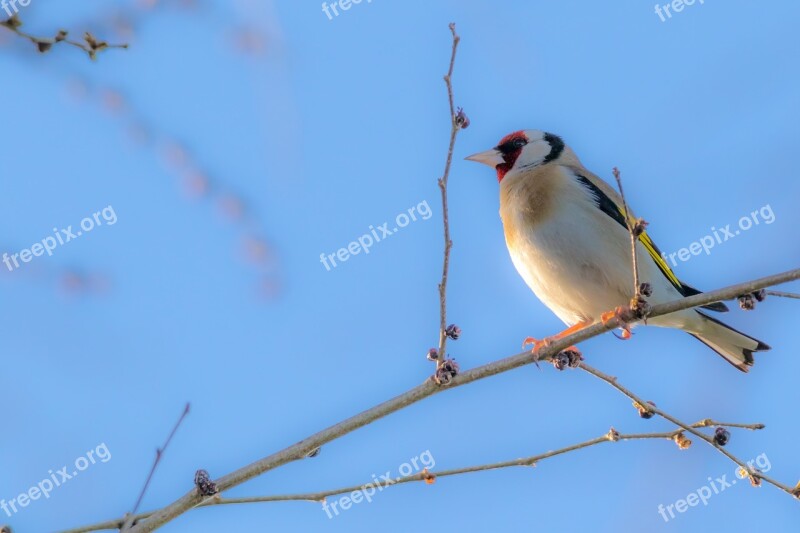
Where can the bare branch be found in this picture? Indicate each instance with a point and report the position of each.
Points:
(194, 498)
(428, 388)
(784, 294)
(455, 126)
(631, 230)
(159, 454)
(430, 477)
(752, 472)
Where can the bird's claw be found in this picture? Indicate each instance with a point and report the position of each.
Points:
(537, 345)
(623, 315)
(625, 335)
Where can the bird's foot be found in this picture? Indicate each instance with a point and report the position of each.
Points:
(623, 315)
(537, 345)
(620, 313)
(547, 341)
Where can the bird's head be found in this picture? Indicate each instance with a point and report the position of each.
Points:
(521, 150)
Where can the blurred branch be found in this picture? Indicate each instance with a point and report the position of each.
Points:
(90, 44)
(430, 477)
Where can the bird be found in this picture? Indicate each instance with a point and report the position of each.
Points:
(567, 232)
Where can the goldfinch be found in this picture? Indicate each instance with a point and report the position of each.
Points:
(567, 235)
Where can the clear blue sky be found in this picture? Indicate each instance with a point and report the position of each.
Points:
(338, 125)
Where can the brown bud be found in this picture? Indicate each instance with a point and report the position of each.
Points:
(747, 302)
(453, 332)
(644, 411)
(204, 485)
(446, 372)
(461, 119)
(570, 357)
(722, 436)
(681, 440)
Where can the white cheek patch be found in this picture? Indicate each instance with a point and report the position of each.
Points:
(534, 153)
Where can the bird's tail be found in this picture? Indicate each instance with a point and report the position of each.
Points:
(736, 347)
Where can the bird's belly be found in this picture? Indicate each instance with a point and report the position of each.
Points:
(574, 268)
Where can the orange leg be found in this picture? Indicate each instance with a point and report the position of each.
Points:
(619, 312)
(544, 343)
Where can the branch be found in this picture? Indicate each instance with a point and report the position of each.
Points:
(633, 226)
(159, 454)
(457, 121)
(429, 388)
(90, 44)
(430, 477)
(784, 294)
(754, 474)
(310, 445)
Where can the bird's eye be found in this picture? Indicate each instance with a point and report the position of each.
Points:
(509, 147)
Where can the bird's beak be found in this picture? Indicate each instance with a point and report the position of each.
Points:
(491, 157)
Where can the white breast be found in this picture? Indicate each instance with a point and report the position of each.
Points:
(576, 259)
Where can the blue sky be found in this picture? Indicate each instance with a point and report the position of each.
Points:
(331, 127)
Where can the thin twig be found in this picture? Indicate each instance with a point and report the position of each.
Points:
(90, 44)
(429, 477)
(428, 388)
(631, 223)
(752, 472)
(448, 243)
(159, 454)
(784, 294)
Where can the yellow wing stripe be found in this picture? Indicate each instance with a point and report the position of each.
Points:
(644, 238)
(651, 248)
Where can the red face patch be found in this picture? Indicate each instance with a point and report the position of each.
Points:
(510, 147)
(512, 137)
